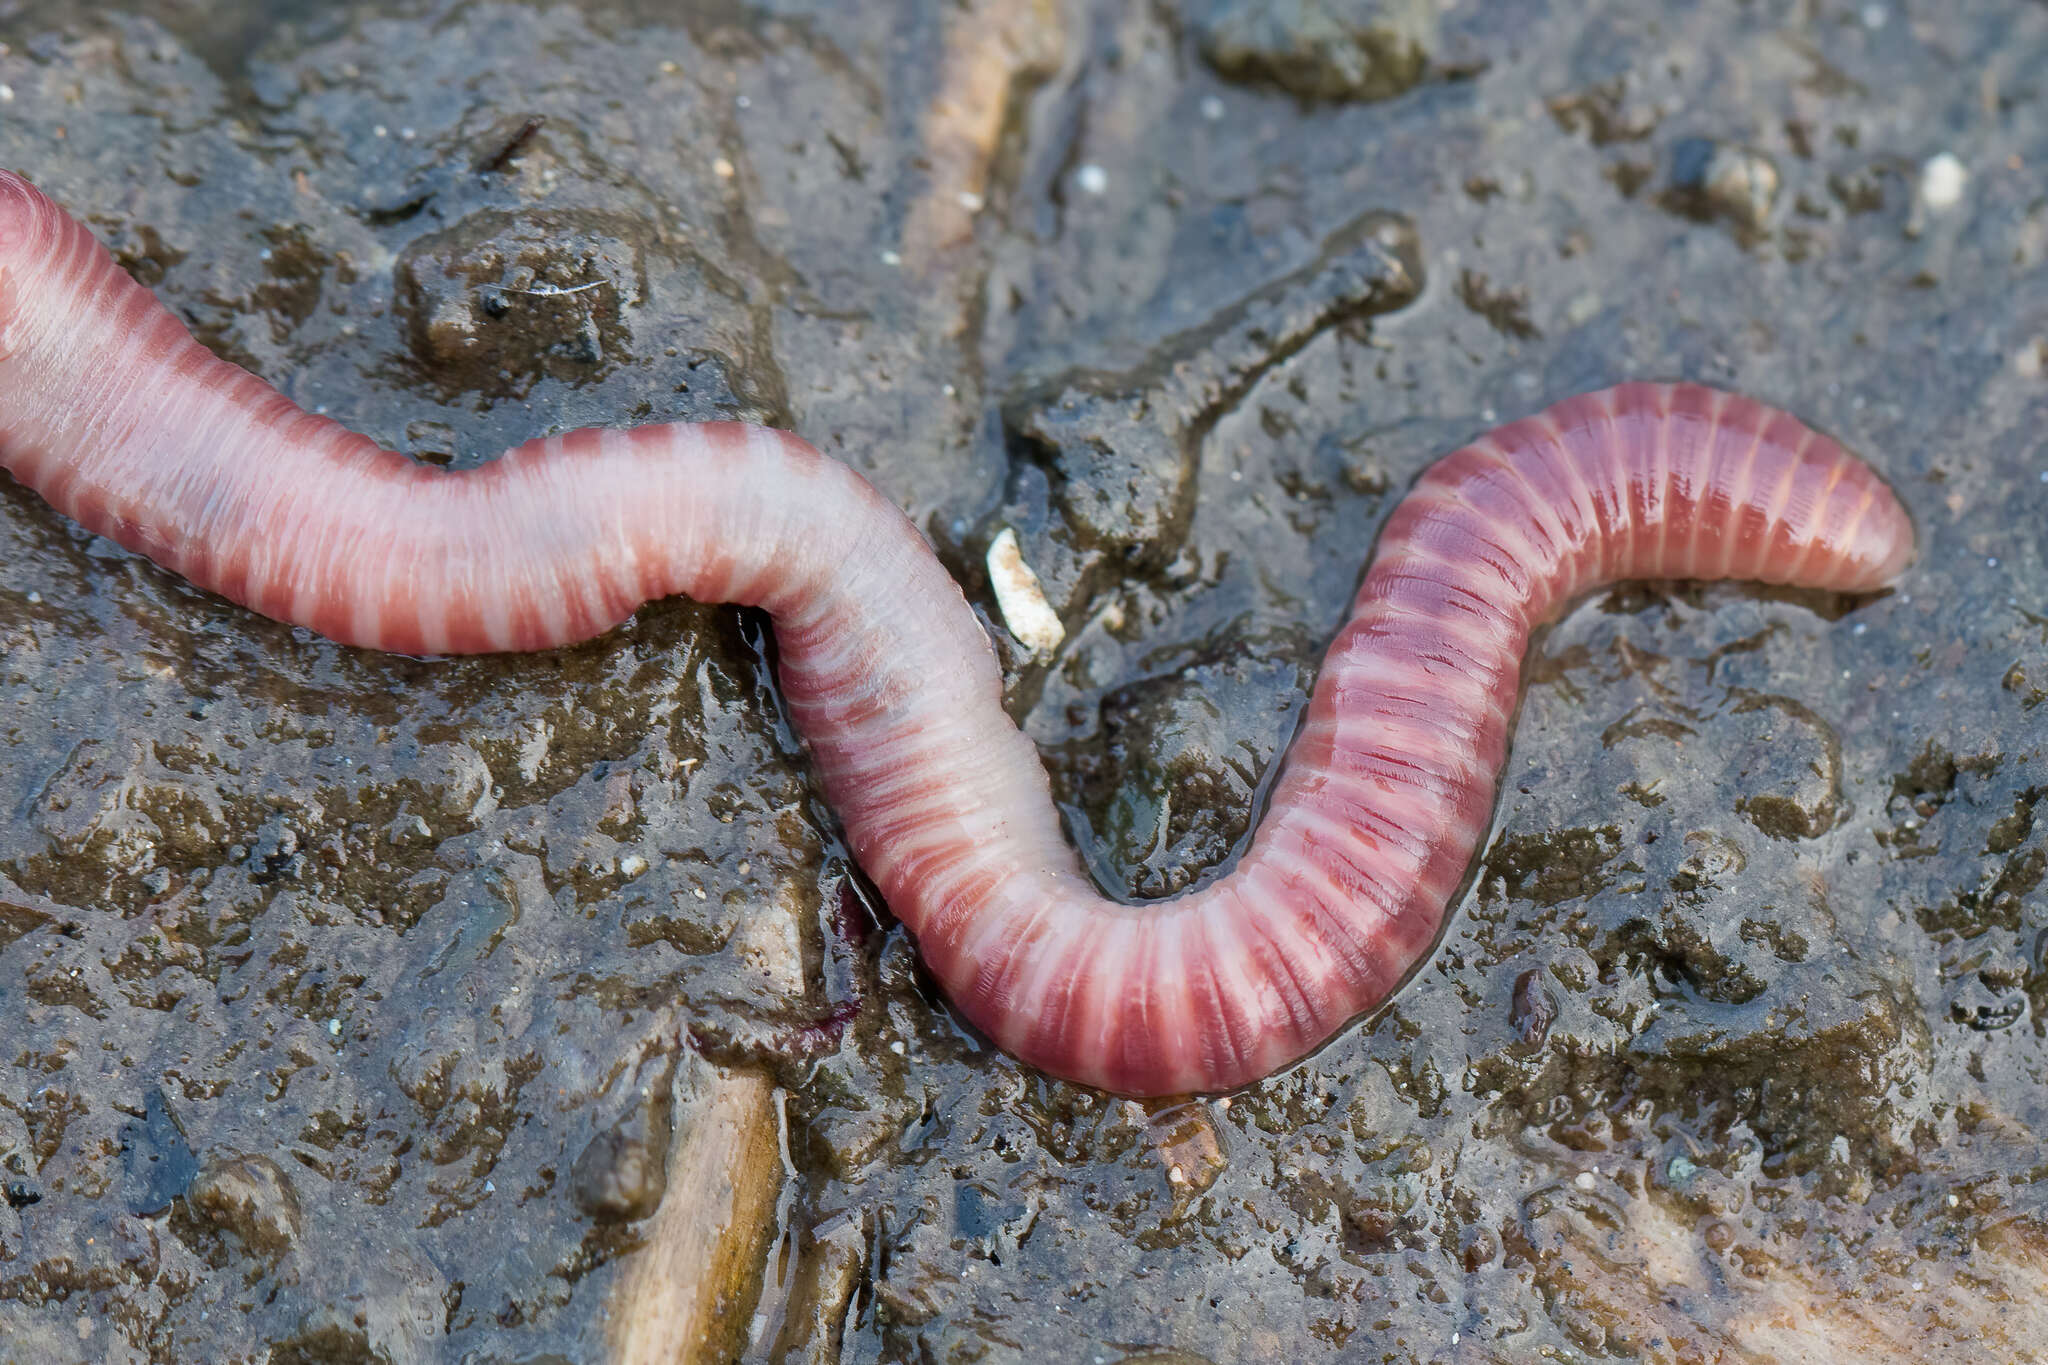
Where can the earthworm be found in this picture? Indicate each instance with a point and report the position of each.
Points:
(122, 421)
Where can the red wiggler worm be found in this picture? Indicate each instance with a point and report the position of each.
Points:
(122, 421)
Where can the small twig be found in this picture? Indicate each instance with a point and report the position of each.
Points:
(551, 290)
(520, 137)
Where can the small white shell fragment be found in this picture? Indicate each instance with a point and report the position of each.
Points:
(1022, 602)
(1942, 180)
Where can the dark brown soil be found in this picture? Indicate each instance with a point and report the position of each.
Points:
(338, 992)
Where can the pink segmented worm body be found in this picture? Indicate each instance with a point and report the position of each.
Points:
(121, 420)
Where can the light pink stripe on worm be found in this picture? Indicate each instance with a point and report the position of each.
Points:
(125, 423)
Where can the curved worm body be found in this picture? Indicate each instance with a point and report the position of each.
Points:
(121, 420)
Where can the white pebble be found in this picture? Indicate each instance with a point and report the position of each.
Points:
(334, 1027)
(1584, 1180)
(1875, 16)
(1212, 108)
(1942, 180)
(891, 258)
(1019, 597)
(1092, 179)
(970, 201)
(722, 168)
(6, 93)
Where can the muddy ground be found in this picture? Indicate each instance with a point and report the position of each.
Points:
(349, 1003)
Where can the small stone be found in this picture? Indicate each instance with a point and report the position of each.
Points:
(496, 301)
(250, 1196)
(1941, 182)
(1532, 1009)
(1092, 179)
(623, 1171)
(1711, 179)
(1317, 49)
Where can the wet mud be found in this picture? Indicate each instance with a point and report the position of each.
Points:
(357, 1007)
